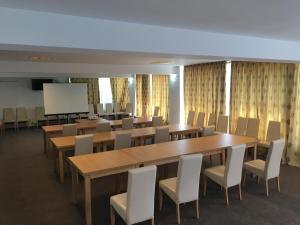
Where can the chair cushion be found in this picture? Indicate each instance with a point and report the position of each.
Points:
(216, 174)
(119, 203)
(256, 166)
(169, 187)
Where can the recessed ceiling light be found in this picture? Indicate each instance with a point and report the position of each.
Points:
(39, 58)
(161, 62)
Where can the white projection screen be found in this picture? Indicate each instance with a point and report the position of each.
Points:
(65, 98)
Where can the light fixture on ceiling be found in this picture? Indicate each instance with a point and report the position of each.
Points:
(161, 62)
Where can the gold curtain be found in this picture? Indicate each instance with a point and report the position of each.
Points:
(293, 147)
(142, 94)
(160, 94)
(204, 88)
(92, 88)
(261, 90)
(120, 91)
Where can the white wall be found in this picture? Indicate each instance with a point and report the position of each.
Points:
(174, 98)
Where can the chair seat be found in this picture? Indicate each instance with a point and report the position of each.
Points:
(119, 203)
(264, 144)
(256, 166)
(169, 187)
(216, 174)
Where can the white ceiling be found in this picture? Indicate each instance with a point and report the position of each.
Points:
(278, 19)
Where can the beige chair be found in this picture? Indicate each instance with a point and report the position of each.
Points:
(229, 175)
(117, 107)
(84, 144)
(39, 113)
(157, 121)
(211, 120)
(156, 111)
(9, 116)
(185, 187)
(273, 133)
(91, 109)
(1, 128)
(122, 140)
(252, 127)
(270, 168)
(22, 116)
(103, 127)
(137, 205)
(222, 125)
(127, 123)
(69, 129)
(200, 119)
(162, 134)
(241, 126)
(128, 108)
(190, 118)
(100, 109)
(108, 108)
(207, 131)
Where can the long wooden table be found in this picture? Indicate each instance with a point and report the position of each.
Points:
(97, 165)
(63, 144)
(86, 124)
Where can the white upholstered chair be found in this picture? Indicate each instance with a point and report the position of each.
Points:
(185, 187)
(222, 124)
(241, 126)
(190, 118)
(162, 134)
(270, 168)
(157, 121)
(39, 113)
(84, 144)
(122, 140)
(211, 120)
(108, 108)
(252, 127)
(273, 133)
(156, 111)
(207, 131)
(91, 109)
(230, 174)
(127, 123)
(117, 107)
(9, 116)
(137, 205)
(128, 108)
(103, 127)
(200, 119)
(69, 129)
(22, 116)
(100, 109)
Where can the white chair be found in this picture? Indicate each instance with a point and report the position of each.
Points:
(207, 131)
(252, 127)
(103, 127)
(91, 109)
(122, 140)
(185, 187)
(108, 108)
(100, 109)
(9, 116)
(211, 120)
(127, 123)
(200, 119)
(69, 129)
(22, 116)
(241, 126)
(229, 175)
(156, 110)
(273, 133)
(190, 118)
(161, 135)
(84, 144)
(129, 108)
(137, 205)
(157, 121)
(117, 107)
(222, 124)
(39, 113)
(270, 168)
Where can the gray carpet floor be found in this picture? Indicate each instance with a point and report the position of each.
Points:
(30, 194)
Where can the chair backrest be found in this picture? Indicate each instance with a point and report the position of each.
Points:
(273, 132)
(273, 161)
(129, 108)
(211, 119)
(162, 134)
(103, 127)
(100, 108)
(200, 119)
(140, 194)
(127, 123)
(108, 108)
(22, 114)
(39, 113)
(91, 109)
(84, 144)
(156, 111)
(241, 126)
(117, 107)
(208, 131)
(122, 140)
(188, 178)
(252, 127)
(9, 114)
(157, 121)
(234, 165)
(222, 124)
(69, 129)
(190, 118)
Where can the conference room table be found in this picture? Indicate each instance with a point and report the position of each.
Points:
(102, 164)
(85, 125)
(101, 139)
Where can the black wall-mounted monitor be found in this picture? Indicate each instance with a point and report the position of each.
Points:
(37, 84)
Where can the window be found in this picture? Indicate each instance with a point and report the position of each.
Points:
(105, 91)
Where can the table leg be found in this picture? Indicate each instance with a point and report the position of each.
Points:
(61, 166)
(74, 184)
(88, 203)
(45, 142)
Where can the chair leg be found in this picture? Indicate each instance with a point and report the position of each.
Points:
(257, 179)
(226, 196)
(178, 213)
(152, 221)
(210, 160)
(205, 185)
(240, 192)
(278, 184)
(267, 187)
(244, 178)
(112, 216)
(197, 209)
(160, 199)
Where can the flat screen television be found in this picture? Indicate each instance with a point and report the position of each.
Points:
(37, 84)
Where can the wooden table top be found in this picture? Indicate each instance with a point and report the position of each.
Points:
(69, 141)
(156, 153)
